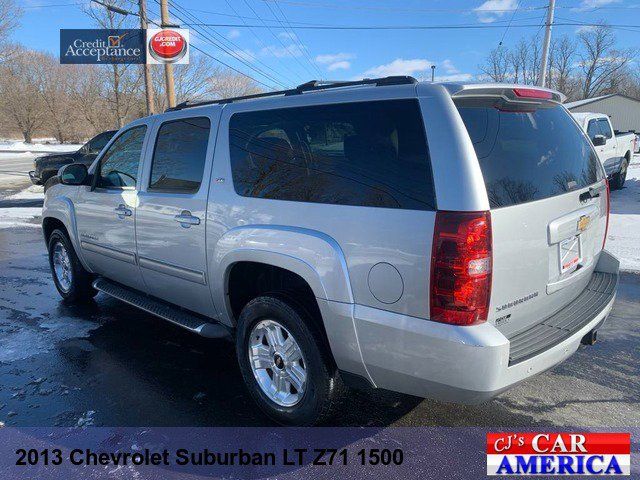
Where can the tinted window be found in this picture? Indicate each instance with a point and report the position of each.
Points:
(593, 129)
(98, 142)
(368, 154)
(179, 155)
(119, 164)
(605, 128)
(527, 156)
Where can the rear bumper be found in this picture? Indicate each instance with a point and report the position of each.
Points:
(466, 364)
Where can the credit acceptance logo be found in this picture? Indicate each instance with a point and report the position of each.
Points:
(102, 46)
(558, 453)
(169, 45)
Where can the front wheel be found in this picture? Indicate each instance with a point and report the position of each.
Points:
(287, 370)
(72, 281)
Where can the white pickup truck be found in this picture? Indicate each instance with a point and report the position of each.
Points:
(614, 149)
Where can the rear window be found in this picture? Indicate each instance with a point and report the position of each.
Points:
(365, 154)
(526, 156)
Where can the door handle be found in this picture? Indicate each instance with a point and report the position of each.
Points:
(122, 211)
(185, 219)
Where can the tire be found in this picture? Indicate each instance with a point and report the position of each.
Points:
(72, 281)
(54, 180)
(322, 388)
(618, 179)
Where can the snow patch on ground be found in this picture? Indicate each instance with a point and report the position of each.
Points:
(623, 239)
(14, 217)
(34, 192)
(39, 145)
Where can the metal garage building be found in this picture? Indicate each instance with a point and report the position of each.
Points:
(624, 111)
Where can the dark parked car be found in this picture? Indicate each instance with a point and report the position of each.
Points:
(47, 166)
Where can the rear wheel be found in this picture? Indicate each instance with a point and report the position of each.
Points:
(72, 281)
(284, 365)
(617, 182)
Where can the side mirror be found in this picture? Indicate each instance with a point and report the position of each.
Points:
(599, 140)
(73, 174)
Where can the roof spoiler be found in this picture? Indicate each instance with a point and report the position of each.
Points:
(512, 93)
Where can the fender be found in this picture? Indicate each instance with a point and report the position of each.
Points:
(61, 208)
(313, 255)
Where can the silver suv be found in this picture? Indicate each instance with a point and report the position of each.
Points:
(440, 240)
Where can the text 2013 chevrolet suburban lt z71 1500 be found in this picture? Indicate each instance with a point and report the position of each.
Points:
(614, 149)
(440, 240)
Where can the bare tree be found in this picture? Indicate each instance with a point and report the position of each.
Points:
(561, 64)
(227, 83)
(191, 81)
(601, 65)
(21, 106)
(496, 66)
(10, 15)
(123, 81)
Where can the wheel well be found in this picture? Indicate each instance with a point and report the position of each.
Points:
(248, 280)
(50, 224)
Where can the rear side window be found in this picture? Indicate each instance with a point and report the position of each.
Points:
(526, 156)
(179, 155)
(367, 154)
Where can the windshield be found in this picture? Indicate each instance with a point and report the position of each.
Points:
(528, 155)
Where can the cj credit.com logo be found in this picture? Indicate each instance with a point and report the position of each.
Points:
(559, 454)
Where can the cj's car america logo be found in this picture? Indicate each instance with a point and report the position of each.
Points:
(558, 453)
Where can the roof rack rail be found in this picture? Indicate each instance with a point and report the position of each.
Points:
(310, 86)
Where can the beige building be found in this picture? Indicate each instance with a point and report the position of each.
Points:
(623, 111)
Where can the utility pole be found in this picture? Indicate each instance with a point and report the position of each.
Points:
(542, 78)
(148, 83)
(168, 68)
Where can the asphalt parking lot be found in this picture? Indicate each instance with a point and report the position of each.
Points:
(110, 364)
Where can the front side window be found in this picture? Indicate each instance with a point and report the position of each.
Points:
(605, 128)
(593, 129)
(365, 154)
(119, 164)
(179, 155)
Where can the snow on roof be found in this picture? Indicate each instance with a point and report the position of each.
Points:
(578, 103)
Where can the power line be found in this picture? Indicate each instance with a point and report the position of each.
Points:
(409, 27)
(264, 25)
(299, 45)
(313, 62)
(220, 61)
(232, 53)
(260, 41)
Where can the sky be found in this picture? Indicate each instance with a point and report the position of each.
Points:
(270, 40)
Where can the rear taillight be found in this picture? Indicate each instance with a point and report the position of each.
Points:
(461, 265)
(606, 228)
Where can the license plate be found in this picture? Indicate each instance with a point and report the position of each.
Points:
(569, 254)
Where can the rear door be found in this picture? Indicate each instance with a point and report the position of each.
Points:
(172, 208)
(538, 168)
(610, 148)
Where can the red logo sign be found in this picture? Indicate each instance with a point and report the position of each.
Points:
(167, 46)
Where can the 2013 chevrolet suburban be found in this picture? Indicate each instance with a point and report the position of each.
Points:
(440, 240)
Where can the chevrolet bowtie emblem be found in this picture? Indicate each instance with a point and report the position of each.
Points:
(584, 222)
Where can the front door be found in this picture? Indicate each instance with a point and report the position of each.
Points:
(105, 213)
(170, 218)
